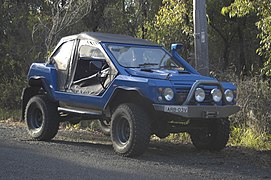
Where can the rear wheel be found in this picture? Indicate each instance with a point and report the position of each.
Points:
(213, 138)
(130, 130)
(41, 118)
(104, 127)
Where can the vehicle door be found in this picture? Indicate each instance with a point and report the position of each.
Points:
(91, 75)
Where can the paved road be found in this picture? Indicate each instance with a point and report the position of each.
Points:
(84, 155)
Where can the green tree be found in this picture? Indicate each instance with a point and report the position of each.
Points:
(262, 8)
(228, 37)
(173, 23)
(232, 38)
(129, 16)
(16, 49)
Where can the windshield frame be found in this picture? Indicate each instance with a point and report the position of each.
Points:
(147, 66)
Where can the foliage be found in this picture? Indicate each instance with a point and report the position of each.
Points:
(254, 97)
(62, 15)
(247, 137)
(121, 19)
(251, 126)
(10, 92)
(228, 37)
(16, 50)
(178, 138)
(262, 8)
(129, 17)
(10, 115)
(173, 23)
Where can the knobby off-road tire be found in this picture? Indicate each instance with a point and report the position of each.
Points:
(41, 118)
(214, 138)
(104, 127)
(130, 130)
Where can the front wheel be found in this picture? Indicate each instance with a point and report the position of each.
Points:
(214, 137)
(130, 130)
(41, 118)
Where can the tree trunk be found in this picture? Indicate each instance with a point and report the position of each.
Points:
(226, 56)
(144, 7)
(241, 65)
(226, 42)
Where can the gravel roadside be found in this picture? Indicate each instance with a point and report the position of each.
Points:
(80, 154)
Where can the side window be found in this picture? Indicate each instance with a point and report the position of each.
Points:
(90, 52)
(90, 61)
(63, 55)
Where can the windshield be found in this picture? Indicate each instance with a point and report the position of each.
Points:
(143, 57)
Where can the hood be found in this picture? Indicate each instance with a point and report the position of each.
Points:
(172, 75)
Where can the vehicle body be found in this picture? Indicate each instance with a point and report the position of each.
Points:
(135, 87)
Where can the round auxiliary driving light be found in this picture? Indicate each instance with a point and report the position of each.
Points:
(168, 94)
(199, 95)
(217, 95)
(160, 98)
(229, 95)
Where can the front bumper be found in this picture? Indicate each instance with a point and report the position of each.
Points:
(188, 111)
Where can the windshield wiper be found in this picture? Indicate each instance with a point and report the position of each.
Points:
(147, 64)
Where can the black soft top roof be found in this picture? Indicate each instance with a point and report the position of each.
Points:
(105, 37)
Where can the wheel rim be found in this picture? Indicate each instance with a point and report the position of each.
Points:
(123, 131)
(35, 119)
(105, 127)
(105, 123)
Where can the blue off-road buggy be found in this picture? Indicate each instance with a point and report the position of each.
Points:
(135, 88)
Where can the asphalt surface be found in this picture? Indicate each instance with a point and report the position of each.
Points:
(80, 154)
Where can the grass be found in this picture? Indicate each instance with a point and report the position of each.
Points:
(246, 137)
(239, 137)
(183, 138)
(14, 115)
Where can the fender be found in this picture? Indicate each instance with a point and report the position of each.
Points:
(40, 81)
(27, 94)
(120, 88)
(35, 84)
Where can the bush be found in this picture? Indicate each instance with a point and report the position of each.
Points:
(10, 93)
(254, 97)
(248, 138)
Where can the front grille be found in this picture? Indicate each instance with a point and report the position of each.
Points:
(182, 90)
(181, 95)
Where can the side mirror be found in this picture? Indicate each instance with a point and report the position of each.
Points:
(177, 46)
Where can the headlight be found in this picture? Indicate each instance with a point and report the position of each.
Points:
(199, 95)
(217, 95)
(168, 94)
(229, 95)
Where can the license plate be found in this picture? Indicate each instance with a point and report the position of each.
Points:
(176, 109)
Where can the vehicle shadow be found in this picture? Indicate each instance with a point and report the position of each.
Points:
(33, 163)
(158, 149)
(231, 160)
